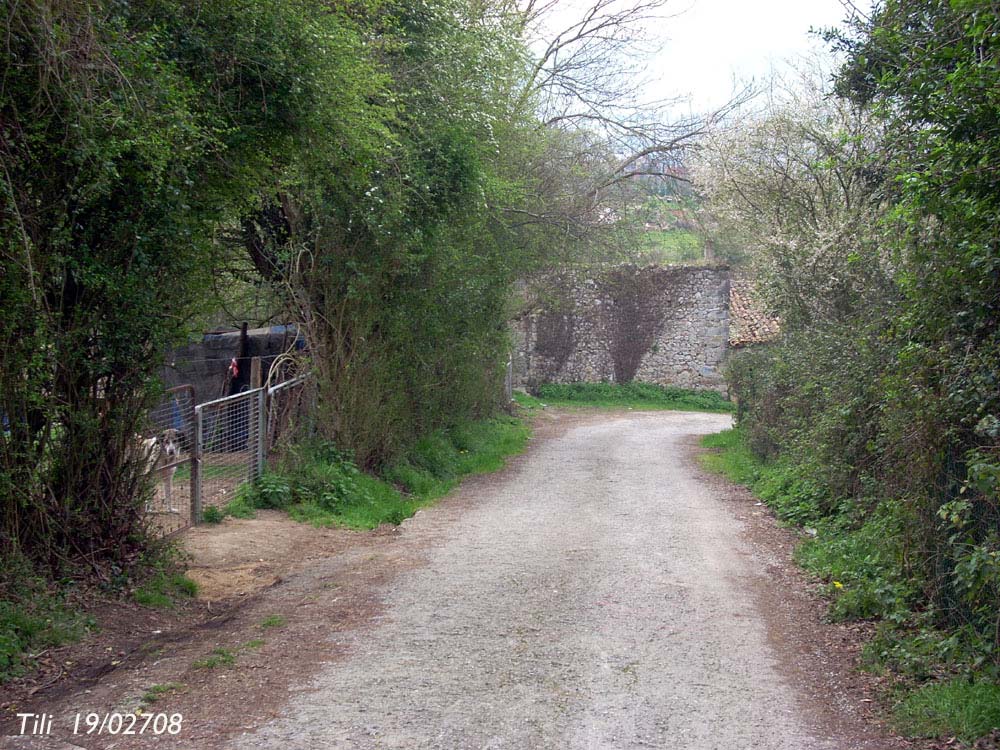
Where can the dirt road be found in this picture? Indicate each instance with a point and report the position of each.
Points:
(601, 595)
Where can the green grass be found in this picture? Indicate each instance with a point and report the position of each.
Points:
(322, 486)
(730, 456)
(860, 558)
(437, 462)
(673, 246)
(526, 403)
(632, 396)
(273, 621)
(34, 617)
(967, 710)
(162, 589)
(212, 514)
(219, 657)
(240, 506)
(154, 693)
(225, 657)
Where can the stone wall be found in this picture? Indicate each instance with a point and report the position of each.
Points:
(657, 324)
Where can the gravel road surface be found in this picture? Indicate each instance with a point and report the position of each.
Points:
(593, 598)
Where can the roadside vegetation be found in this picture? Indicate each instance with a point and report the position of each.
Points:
(320, 484)
(37, 616)
(872, 215)
(633, 395)
(379, 173)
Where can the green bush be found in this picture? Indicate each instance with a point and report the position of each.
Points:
(863, 565)
(320, 484)
(212, 515)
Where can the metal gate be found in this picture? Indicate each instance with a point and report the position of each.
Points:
(228, 447)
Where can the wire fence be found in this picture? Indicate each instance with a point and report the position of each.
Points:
(205, 452)
(167, 444)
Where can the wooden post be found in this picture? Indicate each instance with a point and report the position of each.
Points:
(260, 426)
(255, 373)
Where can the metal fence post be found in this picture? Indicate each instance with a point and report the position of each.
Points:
(261, 431)
(196, 467)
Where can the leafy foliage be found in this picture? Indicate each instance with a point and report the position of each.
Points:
(965, 709)
(882, 394)
(131, 133)
(34, 615)
(320, 484)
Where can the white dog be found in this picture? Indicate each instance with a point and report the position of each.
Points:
(161, 455)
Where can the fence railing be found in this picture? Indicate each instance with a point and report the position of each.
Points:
(220, 445)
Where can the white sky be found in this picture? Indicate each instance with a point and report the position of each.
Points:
(714, 42)
(710, 46)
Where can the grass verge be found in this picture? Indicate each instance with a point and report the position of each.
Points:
(322, 486)
(632, 396)
(958, 707)
(861, 559)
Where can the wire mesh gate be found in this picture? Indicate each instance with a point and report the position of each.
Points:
(200, 454)
(228, 447)
(235, 435)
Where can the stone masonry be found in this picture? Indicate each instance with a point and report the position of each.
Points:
(656, 324)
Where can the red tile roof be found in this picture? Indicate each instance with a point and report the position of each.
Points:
(748, 323)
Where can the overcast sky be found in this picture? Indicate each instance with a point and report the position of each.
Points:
(713, 42)
(709, 44)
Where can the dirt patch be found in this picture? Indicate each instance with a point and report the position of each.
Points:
(239, 557)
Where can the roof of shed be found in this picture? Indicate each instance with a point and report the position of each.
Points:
(748, 323)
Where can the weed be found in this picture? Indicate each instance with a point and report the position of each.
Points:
(34, 616)
(272, 491)
(154, 693)
(162, 589)
(273, 621)
(219, 657)
(731, 457)
(212, 514)
(418, 482)
(860, 556)
(528, 403)
(322, 486)
(253, 644)
(241, 506)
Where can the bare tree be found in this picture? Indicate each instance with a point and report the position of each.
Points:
(796, 177)
(589, 89)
